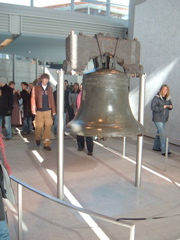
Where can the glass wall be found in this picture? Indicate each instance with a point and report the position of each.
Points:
(18, 2)
(109, 8)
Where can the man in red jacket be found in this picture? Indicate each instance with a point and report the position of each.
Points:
(43, 107)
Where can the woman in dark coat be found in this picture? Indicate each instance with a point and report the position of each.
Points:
(160, 106)
(16, 119)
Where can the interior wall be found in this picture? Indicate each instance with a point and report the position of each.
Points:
(156, 27)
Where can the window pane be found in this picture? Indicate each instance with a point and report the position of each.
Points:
(93, 7)
(17, 2)
(55, 4)
(120, 9)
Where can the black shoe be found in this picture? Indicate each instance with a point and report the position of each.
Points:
(156, 149)
(80, 149)
(165, 153)
(38, 142)
(31, 132)
(7, 139)
(90, 153)
(24, 133)
(47, 148)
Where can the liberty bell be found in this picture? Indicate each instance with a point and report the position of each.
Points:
(105, 109)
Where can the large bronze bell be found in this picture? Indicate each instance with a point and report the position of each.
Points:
(105, 109)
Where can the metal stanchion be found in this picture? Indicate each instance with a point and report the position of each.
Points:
(124, 146)
(60, 135)
(166, 154)
(19, 212)
(140, 138)
(132, 233)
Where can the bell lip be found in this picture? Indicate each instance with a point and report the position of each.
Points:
(103, 133)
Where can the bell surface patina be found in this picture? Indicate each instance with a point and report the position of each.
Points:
(105, 109)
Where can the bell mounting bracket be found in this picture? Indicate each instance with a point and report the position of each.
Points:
(106, 52)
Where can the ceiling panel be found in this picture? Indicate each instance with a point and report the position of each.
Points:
(49, 49)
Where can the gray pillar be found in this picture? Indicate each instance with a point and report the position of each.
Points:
(14, 68)
(72, 5)
(108, 8)
(132, 6)
(140, 138)
(32, 3)
(36, 67)
(44, 66)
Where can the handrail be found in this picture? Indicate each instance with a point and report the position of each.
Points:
(176, 139)
(166, 153)
(79, 209)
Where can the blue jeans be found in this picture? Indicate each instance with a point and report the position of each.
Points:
(27, 124)
(7, 125)
(4, 232)
(160, 140)
(55, 120)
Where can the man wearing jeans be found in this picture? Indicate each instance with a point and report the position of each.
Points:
(6, 106)
(43, 107)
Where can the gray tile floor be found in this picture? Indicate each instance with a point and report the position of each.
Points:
(104, 183)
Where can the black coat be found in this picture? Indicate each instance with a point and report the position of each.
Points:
(26, 97)
(6, 100)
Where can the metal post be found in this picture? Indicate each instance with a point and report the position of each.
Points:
(60, 134)
(132, 233)
(140, 138)
(166, 154)
(124, 146)
(19, 211)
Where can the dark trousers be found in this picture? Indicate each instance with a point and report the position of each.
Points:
(89, 143)
(70, 113)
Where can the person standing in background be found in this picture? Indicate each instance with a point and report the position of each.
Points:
(73, 100)
(80, 139)
(43, 107)
(6, 107)
(26, 113)
(67, 91)
(16, 119)
(160, 106)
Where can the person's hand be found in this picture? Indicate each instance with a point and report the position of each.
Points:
(167, 106)
(18, 91)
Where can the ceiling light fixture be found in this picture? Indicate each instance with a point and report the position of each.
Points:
(6, 42)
